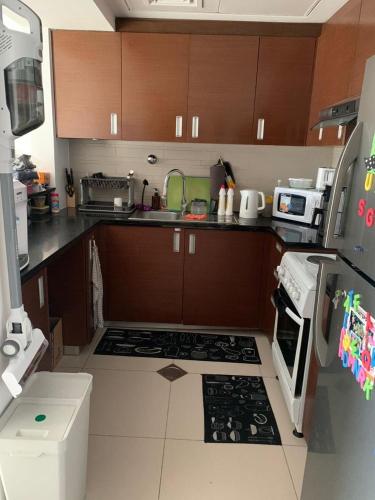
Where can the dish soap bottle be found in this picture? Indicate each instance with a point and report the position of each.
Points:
(222, 197)
(156, 200)
(229, 209)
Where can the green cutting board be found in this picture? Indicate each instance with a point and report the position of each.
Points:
(196, 187)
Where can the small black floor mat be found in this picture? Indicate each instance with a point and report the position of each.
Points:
(179, 345)
(237, 410)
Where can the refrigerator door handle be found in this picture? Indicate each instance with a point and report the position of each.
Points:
(348, 157)
(321, 344)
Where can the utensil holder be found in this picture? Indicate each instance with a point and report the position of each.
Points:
(71, 201)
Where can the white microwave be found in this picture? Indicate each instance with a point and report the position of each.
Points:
(296, 204)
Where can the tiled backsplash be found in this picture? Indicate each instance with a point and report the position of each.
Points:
(256, 167)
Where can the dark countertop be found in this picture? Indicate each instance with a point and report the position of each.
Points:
(52, 236)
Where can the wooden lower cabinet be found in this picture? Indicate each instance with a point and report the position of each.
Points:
(68, 285)
(222, 278)
(273, 253)
(143, 274)
(35, 301)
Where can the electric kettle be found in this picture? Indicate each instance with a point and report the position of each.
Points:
(249, 207)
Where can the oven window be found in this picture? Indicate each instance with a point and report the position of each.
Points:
(292, 204)
(288, 331)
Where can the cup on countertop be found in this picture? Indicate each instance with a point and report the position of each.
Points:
(117, 202)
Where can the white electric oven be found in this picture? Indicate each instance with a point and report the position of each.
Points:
(294, 301)
(297, 205)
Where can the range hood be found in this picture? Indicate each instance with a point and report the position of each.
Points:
(340, 114)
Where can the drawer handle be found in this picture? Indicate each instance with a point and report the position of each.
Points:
(260, 131)
(320, 137)
(113, 123)
(340, 132)
(279, 248)
(41, 292)
(178, 126)
(191, 244)
(176, 240)
(195, 127)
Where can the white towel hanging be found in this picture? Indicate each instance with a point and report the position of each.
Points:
(97, 287)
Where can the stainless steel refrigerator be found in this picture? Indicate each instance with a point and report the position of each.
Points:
(341, 447)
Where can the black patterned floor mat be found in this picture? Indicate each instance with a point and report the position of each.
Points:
(237, 410)
(179, 345)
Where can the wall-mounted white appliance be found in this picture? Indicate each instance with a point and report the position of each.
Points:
(296, 205)
(20, 201)
(324, 178)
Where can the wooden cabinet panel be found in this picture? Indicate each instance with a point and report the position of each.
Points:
(222, 276)
(87, 75)
(154, 86)
(284, 83)
(273, 253)
(334, 60)
(36, 306)
(222, 76)
(365, 46)
(68, 289)
(144, 274)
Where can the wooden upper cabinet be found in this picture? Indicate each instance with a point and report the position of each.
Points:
(365, 46)
(222, 78)
(154, 86)
(334, 60)
(284, 83)
(87, 75)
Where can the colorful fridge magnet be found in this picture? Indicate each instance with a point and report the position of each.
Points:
(357, 343)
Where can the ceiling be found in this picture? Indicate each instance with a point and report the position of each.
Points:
(299, 11)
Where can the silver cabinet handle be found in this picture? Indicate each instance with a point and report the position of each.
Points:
(176, 240)
(191, 244)
(113, 123)
(178, 126)
(341, 180)
(260, 131)
(340, 132)
(41, 291)
(320, 137)
(279, 248)
(195, 127)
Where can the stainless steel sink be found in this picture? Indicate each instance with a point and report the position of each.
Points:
(155, 215)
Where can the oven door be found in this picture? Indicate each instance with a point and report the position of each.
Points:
(291, 337)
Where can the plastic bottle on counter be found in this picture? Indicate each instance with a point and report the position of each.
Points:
(156, 200)
(229, 209)
(222, 198)
(55, 203)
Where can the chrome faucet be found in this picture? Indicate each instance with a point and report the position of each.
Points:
(165, 189)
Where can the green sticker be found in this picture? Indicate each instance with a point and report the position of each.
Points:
(40, 418)
(373, 146)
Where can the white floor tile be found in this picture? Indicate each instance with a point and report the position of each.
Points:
(185, 416)
(280, 411)
(213, 368)
(131, 404)
(80, 360)
(296, 458)
(128, 363)
(265, 352)
(124, 468)
(193, 470)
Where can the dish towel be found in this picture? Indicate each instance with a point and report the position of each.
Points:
(97, 287)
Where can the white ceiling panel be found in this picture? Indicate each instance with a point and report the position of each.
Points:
(171, 6)
(266, 7)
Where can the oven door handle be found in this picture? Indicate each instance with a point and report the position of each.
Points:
(294, 316)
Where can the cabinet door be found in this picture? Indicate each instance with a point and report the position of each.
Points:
(334, 60)
(222, 76)
(67, 287)
(222, 277)
(272, 257)
(154, 86)
(35, 301)
(144, 274)
(87, 74)
(365, 46)
(283, 92)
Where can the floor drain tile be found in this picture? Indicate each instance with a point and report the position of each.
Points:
(172, 372)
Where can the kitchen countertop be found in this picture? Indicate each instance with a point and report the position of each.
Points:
(52, 236)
